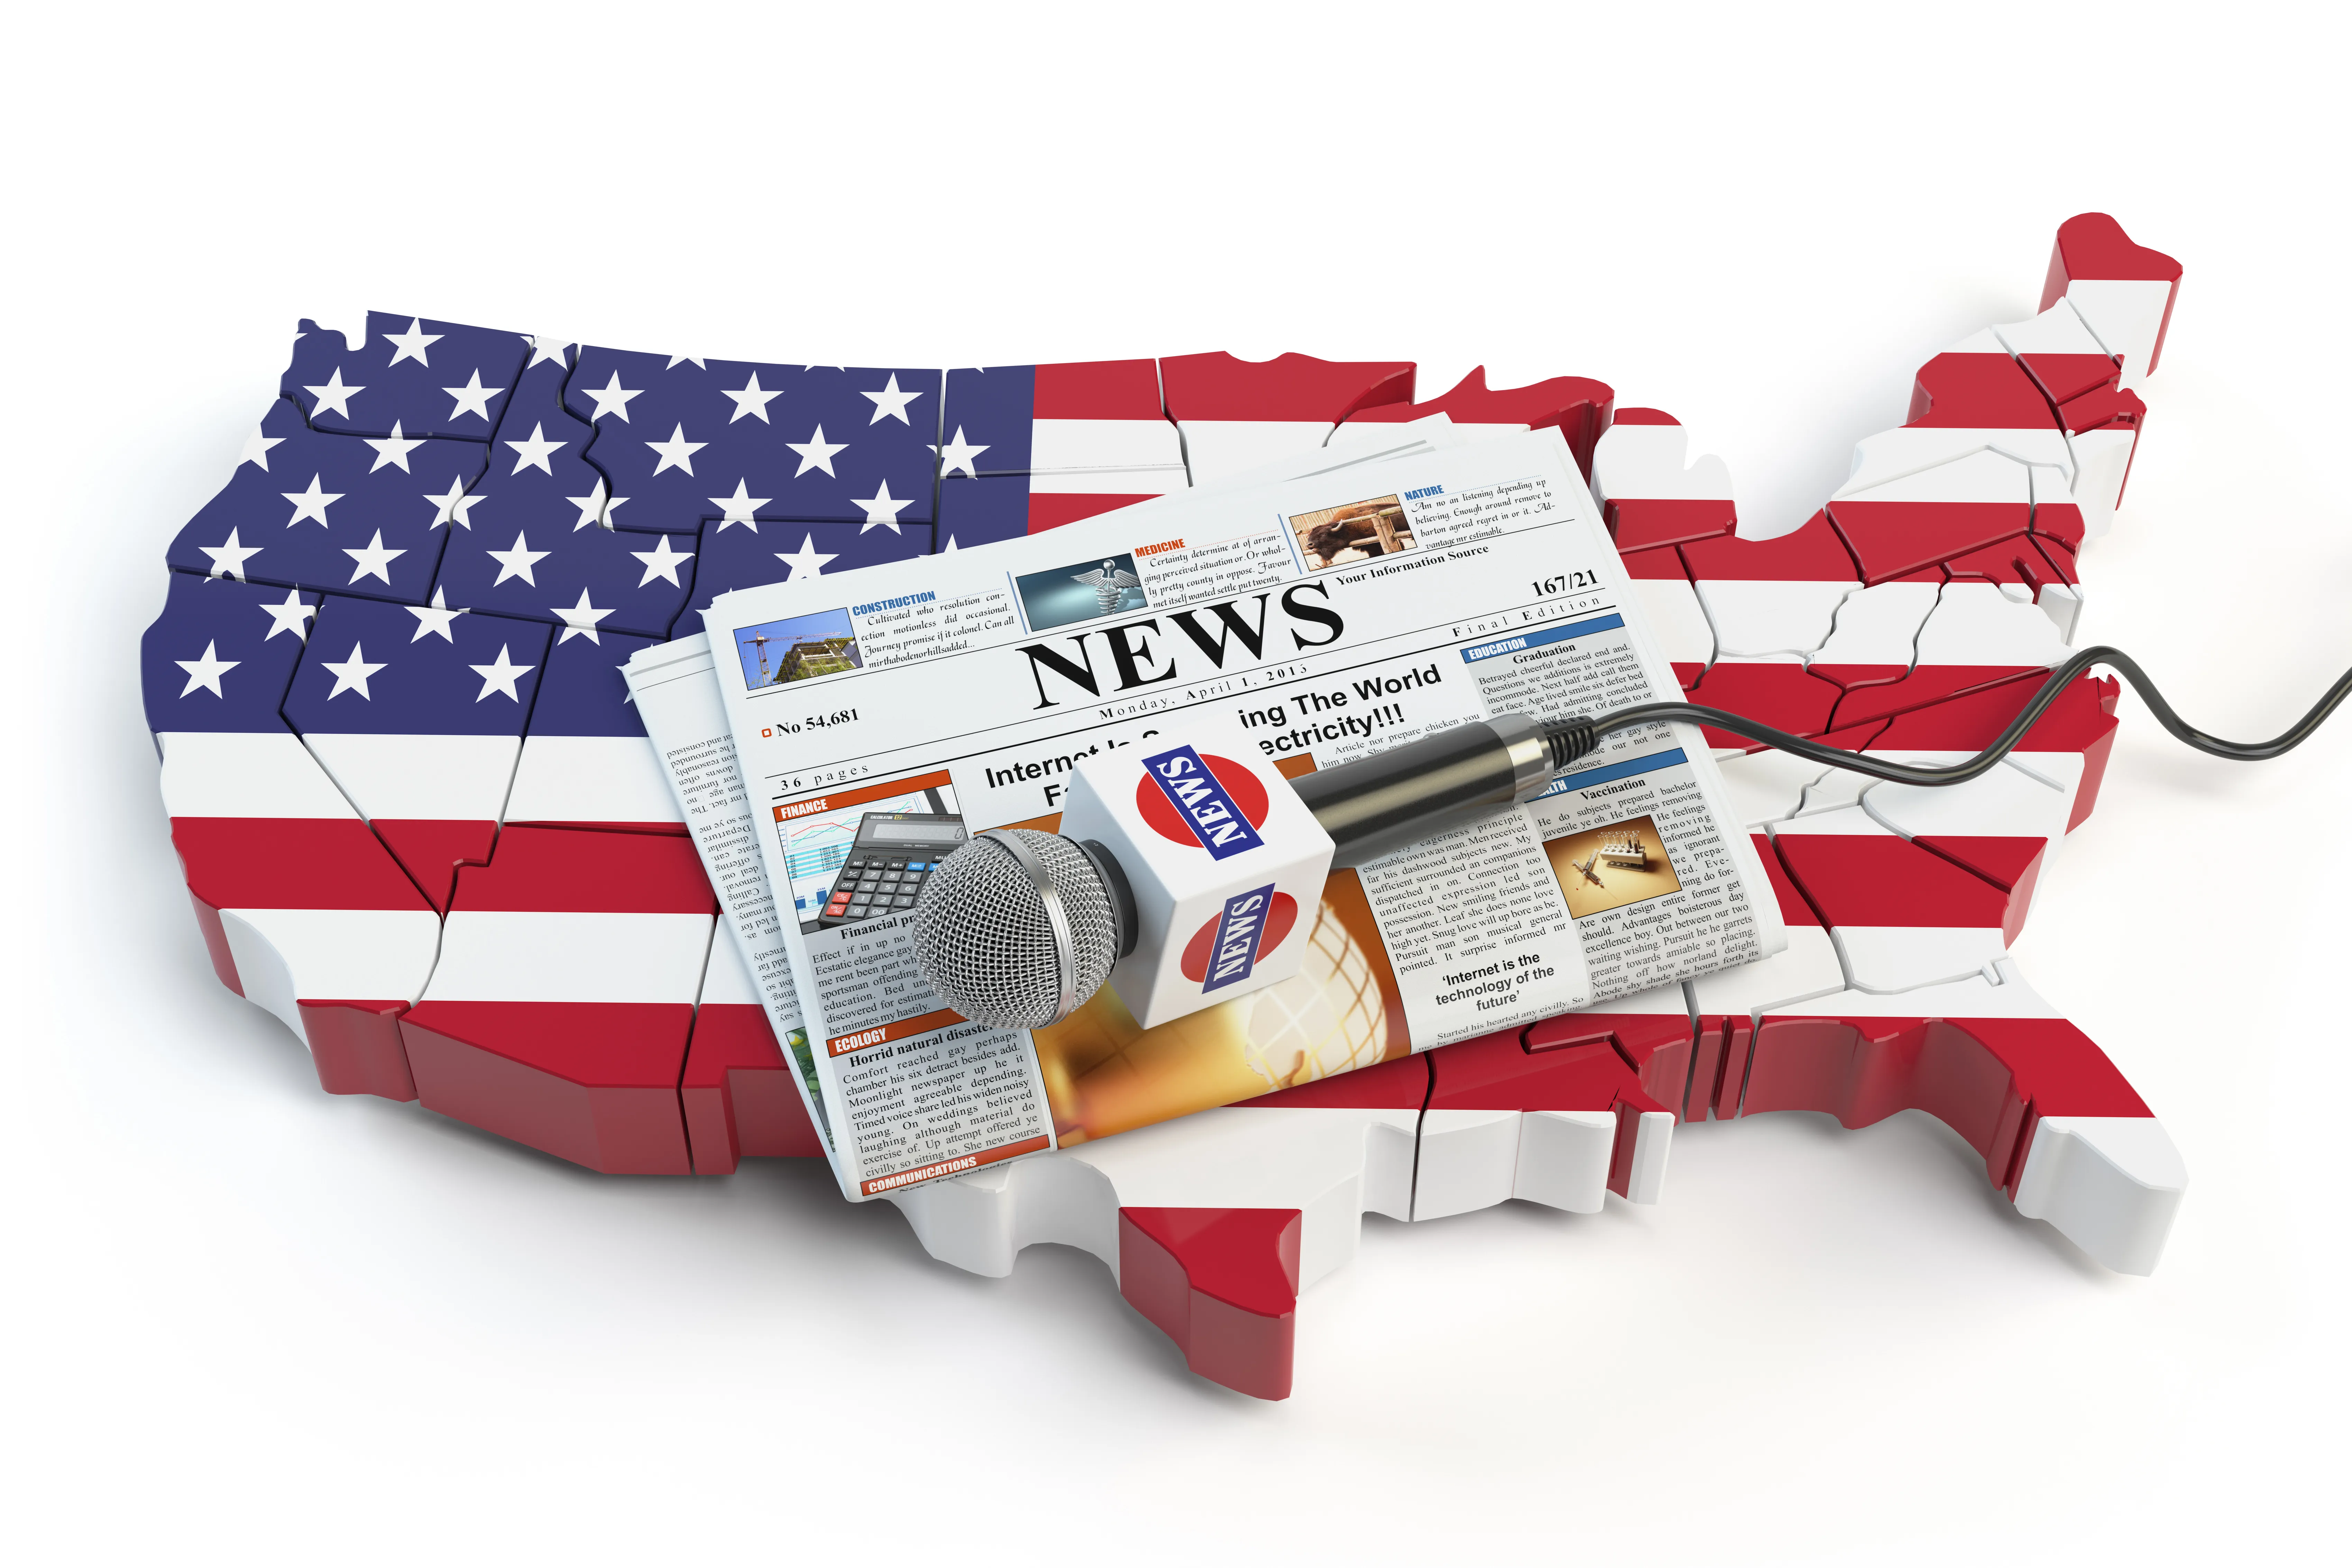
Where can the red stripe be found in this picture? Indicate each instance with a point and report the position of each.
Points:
(1656, 565)
(1640, 524)
(594, 1044)
(1989, 1080)
(2081, 717)
(2094, 246)
(1223, 1284)
(1052, 510)
(290, 862)
(356, 1047)
(1986, 392)
(566, 871)
(1098, 389)
(1871, 697)
(738, 1092)
(2065, 377)
(1815, 554)
(1576, 406)
(2101, 407)
(1785, 696)
(595, 1083)
(1293, 387)
(431, 851)
(1894, 538)
(1794, 910)
(1869, 879)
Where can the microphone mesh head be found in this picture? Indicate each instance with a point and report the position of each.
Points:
(983, 940)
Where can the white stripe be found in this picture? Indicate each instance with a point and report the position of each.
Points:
(1756, 618)
(1977, 623)
(246, 775)
(1903, 957)
(1563, 1160)
(459, 778)
(2005, 803)
(1646, 463)
(2111, 1184)
(1467, 1160)
(725, 981)
(2126, 315)
(1931, 463)
(2057, 330)
(1136, 482)
(1850, 821)
(589, 779)
(1214, 448)
(2105, 457)
(330, 955)
(500, 956)
(1331, 1165)
(1646, 1182)
(1978, 997)
(1880, 624)
(1055, 444)
(1674, 614)
(1808, 966)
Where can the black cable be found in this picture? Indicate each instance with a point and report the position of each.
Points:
(1573, 738)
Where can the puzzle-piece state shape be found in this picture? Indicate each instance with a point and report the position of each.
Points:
(303, 912)
(1976, 623)
(1902, 915)
(2083, 384)
(1239, 414)
(1560, 1114)
(1030, 448)
(1876, 630)
(814, 442)
(585, 760)
(1273, 1193)
(1214, 1224)
(1576, 406)
(427, 378)
(560, 1011)
(421, 734)
(1725, 1005)
(1101, 420)
(337, 514)
(1771, 598)
(1782, 693)
(1662, 584)
(742, 552)
(738, 1092)
(528, 541)
(2062, 1132)
(2067, 747)
(2123, 291)
(1649, 497)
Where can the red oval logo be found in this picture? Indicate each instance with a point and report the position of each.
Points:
(1280, 916)
(1159, 813)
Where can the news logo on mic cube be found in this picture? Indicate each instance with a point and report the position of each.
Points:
(1221, 856)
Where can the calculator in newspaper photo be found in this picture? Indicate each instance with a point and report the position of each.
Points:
(892, 853)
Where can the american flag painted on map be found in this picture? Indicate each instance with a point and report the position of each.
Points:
(421, 824)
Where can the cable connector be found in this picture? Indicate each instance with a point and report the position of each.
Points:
(1571, 739)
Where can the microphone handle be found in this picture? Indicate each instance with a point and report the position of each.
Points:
(1383, 802)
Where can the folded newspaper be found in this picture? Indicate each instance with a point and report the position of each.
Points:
(832, 737)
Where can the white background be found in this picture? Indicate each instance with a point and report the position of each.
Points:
(249, 1319)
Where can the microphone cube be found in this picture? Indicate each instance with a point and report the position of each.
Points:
(1225, 862)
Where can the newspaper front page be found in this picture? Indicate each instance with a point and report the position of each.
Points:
(879, 717)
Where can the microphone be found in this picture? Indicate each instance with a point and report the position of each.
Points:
(1018, 928)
